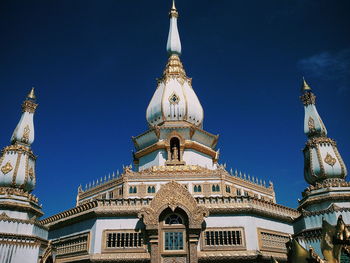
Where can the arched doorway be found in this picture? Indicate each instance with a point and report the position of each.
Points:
(173, 222)
(173, 236)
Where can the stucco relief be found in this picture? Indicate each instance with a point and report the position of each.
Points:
(173, 195)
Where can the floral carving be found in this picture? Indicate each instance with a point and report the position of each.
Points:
(173, 195)
(25, 137)
(330, 160)
(6, 168)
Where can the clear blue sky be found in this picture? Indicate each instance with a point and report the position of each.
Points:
(94, 65)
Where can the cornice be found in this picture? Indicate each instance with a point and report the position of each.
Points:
(121, 257)
(4, 217)
(325, 197)
(14, 239)
(100, 188)
(331, 182)
(19, 149)
(19, 192)
(239, 255)
(131, 207)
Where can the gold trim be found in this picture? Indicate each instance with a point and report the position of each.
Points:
(19, 156)
(330, 160)
(6, 168)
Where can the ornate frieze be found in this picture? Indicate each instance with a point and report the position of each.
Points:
(173, 195)
(308, 98)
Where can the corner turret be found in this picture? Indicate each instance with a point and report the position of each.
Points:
(17, 161)
(322, 159)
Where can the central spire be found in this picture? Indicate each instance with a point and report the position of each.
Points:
(174, 44)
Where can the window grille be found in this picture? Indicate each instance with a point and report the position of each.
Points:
(214, 238)
(124, 240)
(173, 219)
(173, 241)
(72, 245)
(273, 240)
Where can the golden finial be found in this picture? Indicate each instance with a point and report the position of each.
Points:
(173, 11)
(31, 94)
(305, 86)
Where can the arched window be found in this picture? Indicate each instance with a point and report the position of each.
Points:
(215, 188)
(173, 219)
(151, 189)
(132, 190)
(175, 149)
(197, 189)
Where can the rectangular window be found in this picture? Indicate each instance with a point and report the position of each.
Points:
(222, 238)
(272, 241)
(72, 245)
(124, 240)
(173, 241)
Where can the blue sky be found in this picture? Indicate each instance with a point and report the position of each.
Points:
(94, 65)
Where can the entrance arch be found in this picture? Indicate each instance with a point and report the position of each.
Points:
(171, 200)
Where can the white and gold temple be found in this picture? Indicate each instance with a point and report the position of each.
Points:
(176, 203)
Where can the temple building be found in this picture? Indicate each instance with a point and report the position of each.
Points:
(176, 203)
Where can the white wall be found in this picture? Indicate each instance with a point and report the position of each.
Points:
(250, 225)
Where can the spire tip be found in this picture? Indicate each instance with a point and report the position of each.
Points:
(305, 87)
(31, 94)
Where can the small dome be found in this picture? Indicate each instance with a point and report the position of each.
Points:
(174, 98)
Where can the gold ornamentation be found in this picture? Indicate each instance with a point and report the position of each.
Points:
(31, 173)
(308, 98)
(174, 69)
(31, 94)
(311, 124)
(29, 106)
(6, 168)
(174, 99)
(330, 160)
(25, 137)
(174, 195)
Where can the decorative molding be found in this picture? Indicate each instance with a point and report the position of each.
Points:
(308, 98)
(29, 106)
(173, 195)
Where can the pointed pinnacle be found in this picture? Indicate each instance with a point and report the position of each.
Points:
(31, 94)
(173, 6)
(305, 86)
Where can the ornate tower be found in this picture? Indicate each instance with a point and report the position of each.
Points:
(23, 237)
(328, 195)
(322, 159)
(175, 117)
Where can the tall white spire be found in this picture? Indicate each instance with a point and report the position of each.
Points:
(174, 44)
(322, 158)
(17, 161)
(24, 132)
